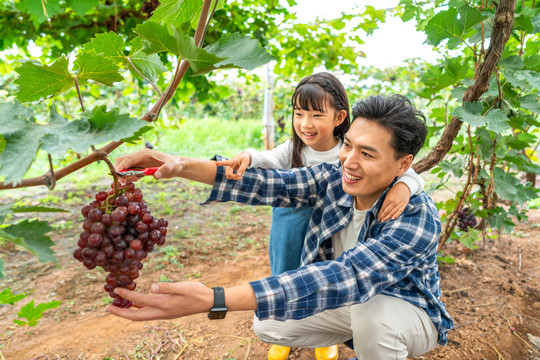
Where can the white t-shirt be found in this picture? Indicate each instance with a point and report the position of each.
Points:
(346, 239)
(280, 158)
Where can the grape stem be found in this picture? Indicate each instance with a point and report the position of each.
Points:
(104, 156)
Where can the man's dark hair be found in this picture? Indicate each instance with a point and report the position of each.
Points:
(398, 116)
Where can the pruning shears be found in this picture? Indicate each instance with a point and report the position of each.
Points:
(137, 171)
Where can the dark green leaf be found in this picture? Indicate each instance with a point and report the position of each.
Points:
(7, 297)
(32, 313)
(97, 68)
(238, 51)
(38, 82)
(81, 7)
(31, 235)
(513, 63)
(2, 143)
(471, 113)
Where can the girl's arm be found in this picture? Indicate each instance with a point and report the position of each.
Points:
(277, 158)
(398, 196)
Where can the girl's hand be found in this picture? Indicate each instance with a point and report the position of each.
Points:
(169, 166)
(239, 163)
(394, 203)
(167, 301)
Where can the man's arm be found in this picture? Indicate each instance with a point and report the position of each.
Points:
(169, 166)
(174, 300)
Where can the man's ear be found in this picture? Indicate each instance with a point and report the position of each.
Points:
(404, 164)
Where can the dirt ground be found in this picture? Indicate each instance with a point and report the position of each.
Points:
(492, 293)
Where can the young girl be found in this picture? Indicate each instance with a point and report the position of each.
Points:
(320, 119)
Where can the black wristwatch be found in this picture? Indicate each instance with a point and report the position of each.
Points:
(219, 310)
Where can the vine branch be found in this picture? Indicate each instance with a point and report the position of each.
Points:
(502, 28)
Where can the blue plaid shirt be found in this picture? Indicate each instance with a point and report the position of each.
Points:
(396, 258)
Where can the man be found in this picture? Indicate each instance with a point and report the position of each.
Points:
(375, 283)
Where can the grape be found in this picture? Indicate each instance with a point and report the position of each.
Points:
(466, 219)
(119, 232)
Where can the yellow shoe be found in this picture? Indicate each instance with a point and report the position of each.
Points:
(278, 352)
(326, 353)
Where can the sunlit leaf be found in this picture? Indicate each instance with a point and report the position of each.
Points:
(110, 44)
(40, 10)
(33, 313)
(38, 82)
(176, 12)
(452, 24)
(496, 121)
(94, 67)
(7, 297)
(150, 65)
(471, 113)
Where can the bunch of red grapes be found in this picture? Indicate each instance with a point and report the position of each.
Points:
(466, 219)
(119, 232)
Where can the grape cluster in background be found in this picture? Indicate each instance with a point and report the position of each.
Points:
(466, 219)
(119, 232)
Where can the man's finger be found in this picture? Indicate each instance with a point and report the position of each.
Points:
(141, 314)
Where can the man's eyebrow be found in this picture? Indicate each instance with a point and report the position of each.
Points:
(365, 147)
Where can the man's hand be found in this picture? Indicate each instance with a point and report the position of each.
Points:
(167, 301)
(395, 202)
(169, 165)
(239, 163)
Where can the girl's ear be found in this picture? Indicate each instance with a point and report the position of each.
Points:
(340, 117)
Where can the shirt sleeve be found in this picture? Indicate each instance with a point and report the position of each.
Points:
(277, 158)
(357, 275)
(413, 181)
(277, 188)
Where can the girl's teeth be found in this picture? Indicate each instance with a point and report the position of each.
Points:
(350, 177)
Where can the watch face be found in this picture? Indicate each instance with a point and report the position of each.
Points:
(216, 314)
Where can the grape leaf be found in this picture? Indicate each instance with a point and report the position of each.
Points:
(30, 234)
(238, 51)
(98, 68)
(81, 7)
(471, 113)
(109, 44)
(496, 121)
(39, 10)
(33, 313)
(113, 45)
(176, 12)
(530, 102)
(232, 50)
(7, 297)
(37, 208)
(150, 65)
(160, 39)
(2, 273)
(448, 25)
(37, 82)
(2, 143)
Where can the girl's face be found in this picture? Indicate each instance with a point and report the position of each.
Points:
(316, 128)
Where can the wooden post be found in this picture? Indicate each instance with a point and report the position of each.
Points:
(268, 111)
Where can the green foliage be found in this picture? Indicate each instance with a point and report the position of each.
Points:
(7, 297)
(31, 234)
(33, 313)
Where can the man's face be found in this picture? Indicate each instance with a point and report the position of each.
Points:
(368, 162)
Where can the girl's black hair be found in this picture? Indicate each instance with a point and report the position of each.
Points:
(315, 92)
